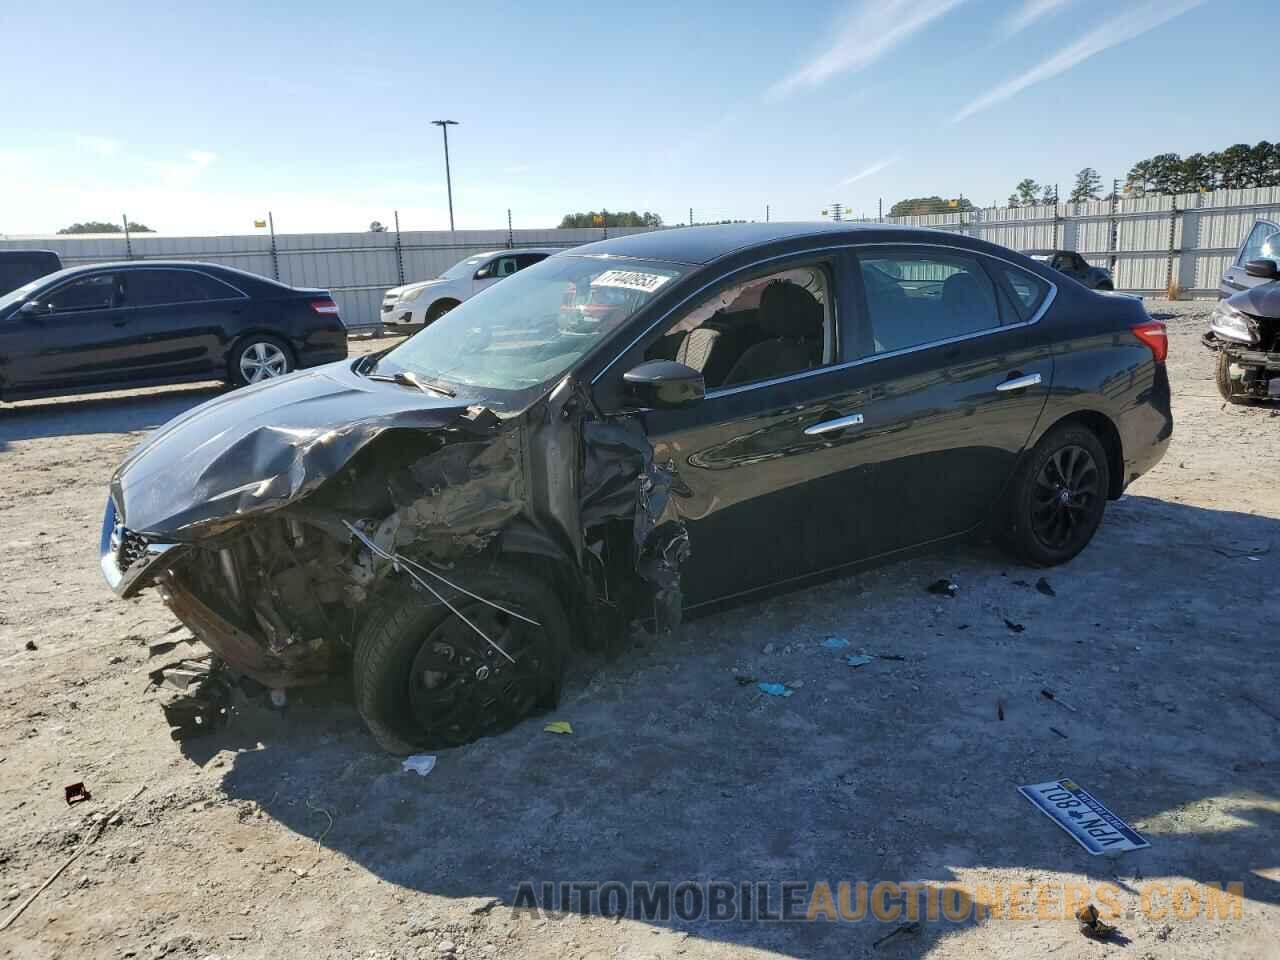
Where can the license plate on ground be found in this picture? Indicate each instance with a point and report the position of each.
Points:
(1082, 815)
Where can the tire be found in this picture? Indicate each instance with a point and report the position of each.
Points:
(1058, 496)
(1228, 388)
(424, 680)
(438, 310)
(259, 357)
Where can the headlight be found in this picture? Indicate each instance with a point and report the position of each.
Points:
(1233, 324)
(410, 294)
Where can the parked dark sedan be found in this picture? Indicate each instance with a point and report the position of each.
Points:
(1076, 267)
(629, 430)
(115, 325)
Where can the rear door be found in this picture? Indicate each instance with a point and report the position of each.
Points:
(179, 320)
(947, 387)
(1263, 241)
(78, 339)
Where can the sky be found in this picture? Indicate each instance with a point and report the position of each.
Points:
(199, 118)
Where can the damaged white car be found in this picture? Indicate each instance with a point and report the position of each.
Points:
(620, 433)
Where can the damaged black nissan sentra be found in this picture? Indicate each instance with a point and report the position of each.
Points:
(626, 431)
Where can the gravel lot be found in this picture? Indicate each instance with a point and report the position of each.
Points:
(290, 834)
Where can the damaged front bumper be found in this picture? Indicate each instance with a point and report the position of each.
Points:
(127, 558)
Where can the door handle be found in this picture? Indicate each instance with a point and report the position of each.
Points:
(830, 426)
(1019, 383)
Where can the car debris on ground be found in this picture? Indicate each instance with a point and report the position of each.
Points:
(421, 764)
(1092, 924)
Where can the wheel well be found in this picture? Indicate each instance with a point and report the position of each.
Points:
(1109, 437)
(449, 302)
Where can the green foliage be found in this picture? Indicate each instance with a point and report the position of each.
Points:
(920, 206)
(1088, 186)
(606, 218)
(101, 226)
(1236, 167)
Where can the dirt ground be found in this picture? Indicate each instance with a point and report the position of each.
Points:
(290, 834)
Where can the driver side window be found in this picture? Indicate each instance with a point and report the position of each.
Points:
(96, 292)
(755, 330)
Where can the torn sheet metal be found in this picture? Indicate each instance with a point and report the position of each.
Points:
(622, 481)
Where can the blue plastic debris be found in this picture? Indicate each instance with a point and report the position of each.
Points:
(858, 659)
(775, 689)
(835, 643)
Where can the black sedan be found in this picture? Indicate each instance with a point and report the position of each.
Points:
(632, 430)
(116, 325)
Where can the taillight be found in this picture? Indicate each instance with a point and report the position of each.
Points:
(326, 307)
(1153, 334)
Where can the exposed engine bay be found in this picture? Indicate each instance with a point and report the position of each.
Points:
(280, 576)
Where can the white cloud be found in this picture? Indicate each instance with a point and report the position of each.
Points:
(1132, 23)
(870, 171)
(1030, 12)
(870, 30)
(101, 146)
(182, 173)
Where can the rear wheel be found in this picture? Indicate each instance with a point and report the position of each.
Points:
(1231, 390)
(424, 679)
(260, 357)
(438, 310)
(1059, 495)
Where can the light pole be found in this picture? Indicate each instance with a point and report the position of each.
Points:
(444, 126)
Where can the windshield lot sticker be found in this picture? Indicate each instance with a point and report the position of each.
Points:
(630, 280)
(1083, 816)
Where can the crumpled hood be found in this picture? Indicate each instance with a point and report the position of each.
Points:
(1260, 301)
(261, 447)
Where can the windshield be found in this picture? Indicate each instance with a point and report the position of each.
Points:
(465, 268)
(24, 292)
(534, 325)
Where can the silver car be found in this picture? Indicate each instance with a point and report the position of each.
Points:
(417, 304)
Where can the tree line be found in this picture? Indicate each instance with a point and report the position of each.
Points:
(610, 218)
(1235, 168)
(101, 226)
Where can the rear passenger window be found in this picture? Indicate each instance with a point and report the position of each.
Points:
(917, 296)
(149, 288)
(1028, 290)
(760, 329)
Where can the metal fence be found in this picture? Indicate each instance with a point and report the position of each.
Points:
(1146, 242)
(355, 267)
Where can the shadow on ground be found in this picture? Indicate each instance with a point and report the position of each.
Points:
(899, 770)
(109, 415)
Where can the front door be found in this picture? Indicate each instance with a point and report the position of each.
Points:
(78, 337)
(753, 486)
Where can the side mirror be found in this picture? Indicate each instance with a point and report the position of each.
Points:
(32, 308)
(665, 384)
(485, 272)
(1266, 269)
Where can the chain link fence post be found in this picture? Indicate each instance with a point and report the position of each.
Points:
(399, 251)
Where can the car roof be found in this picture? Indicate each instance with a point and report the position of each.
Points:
(700, 245)
(228, 273)
(495, 253)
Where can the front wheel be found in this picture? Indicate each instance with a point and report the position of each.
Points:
(424, 679)
(438, 310)
(1059, 494)
(1229, 389)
